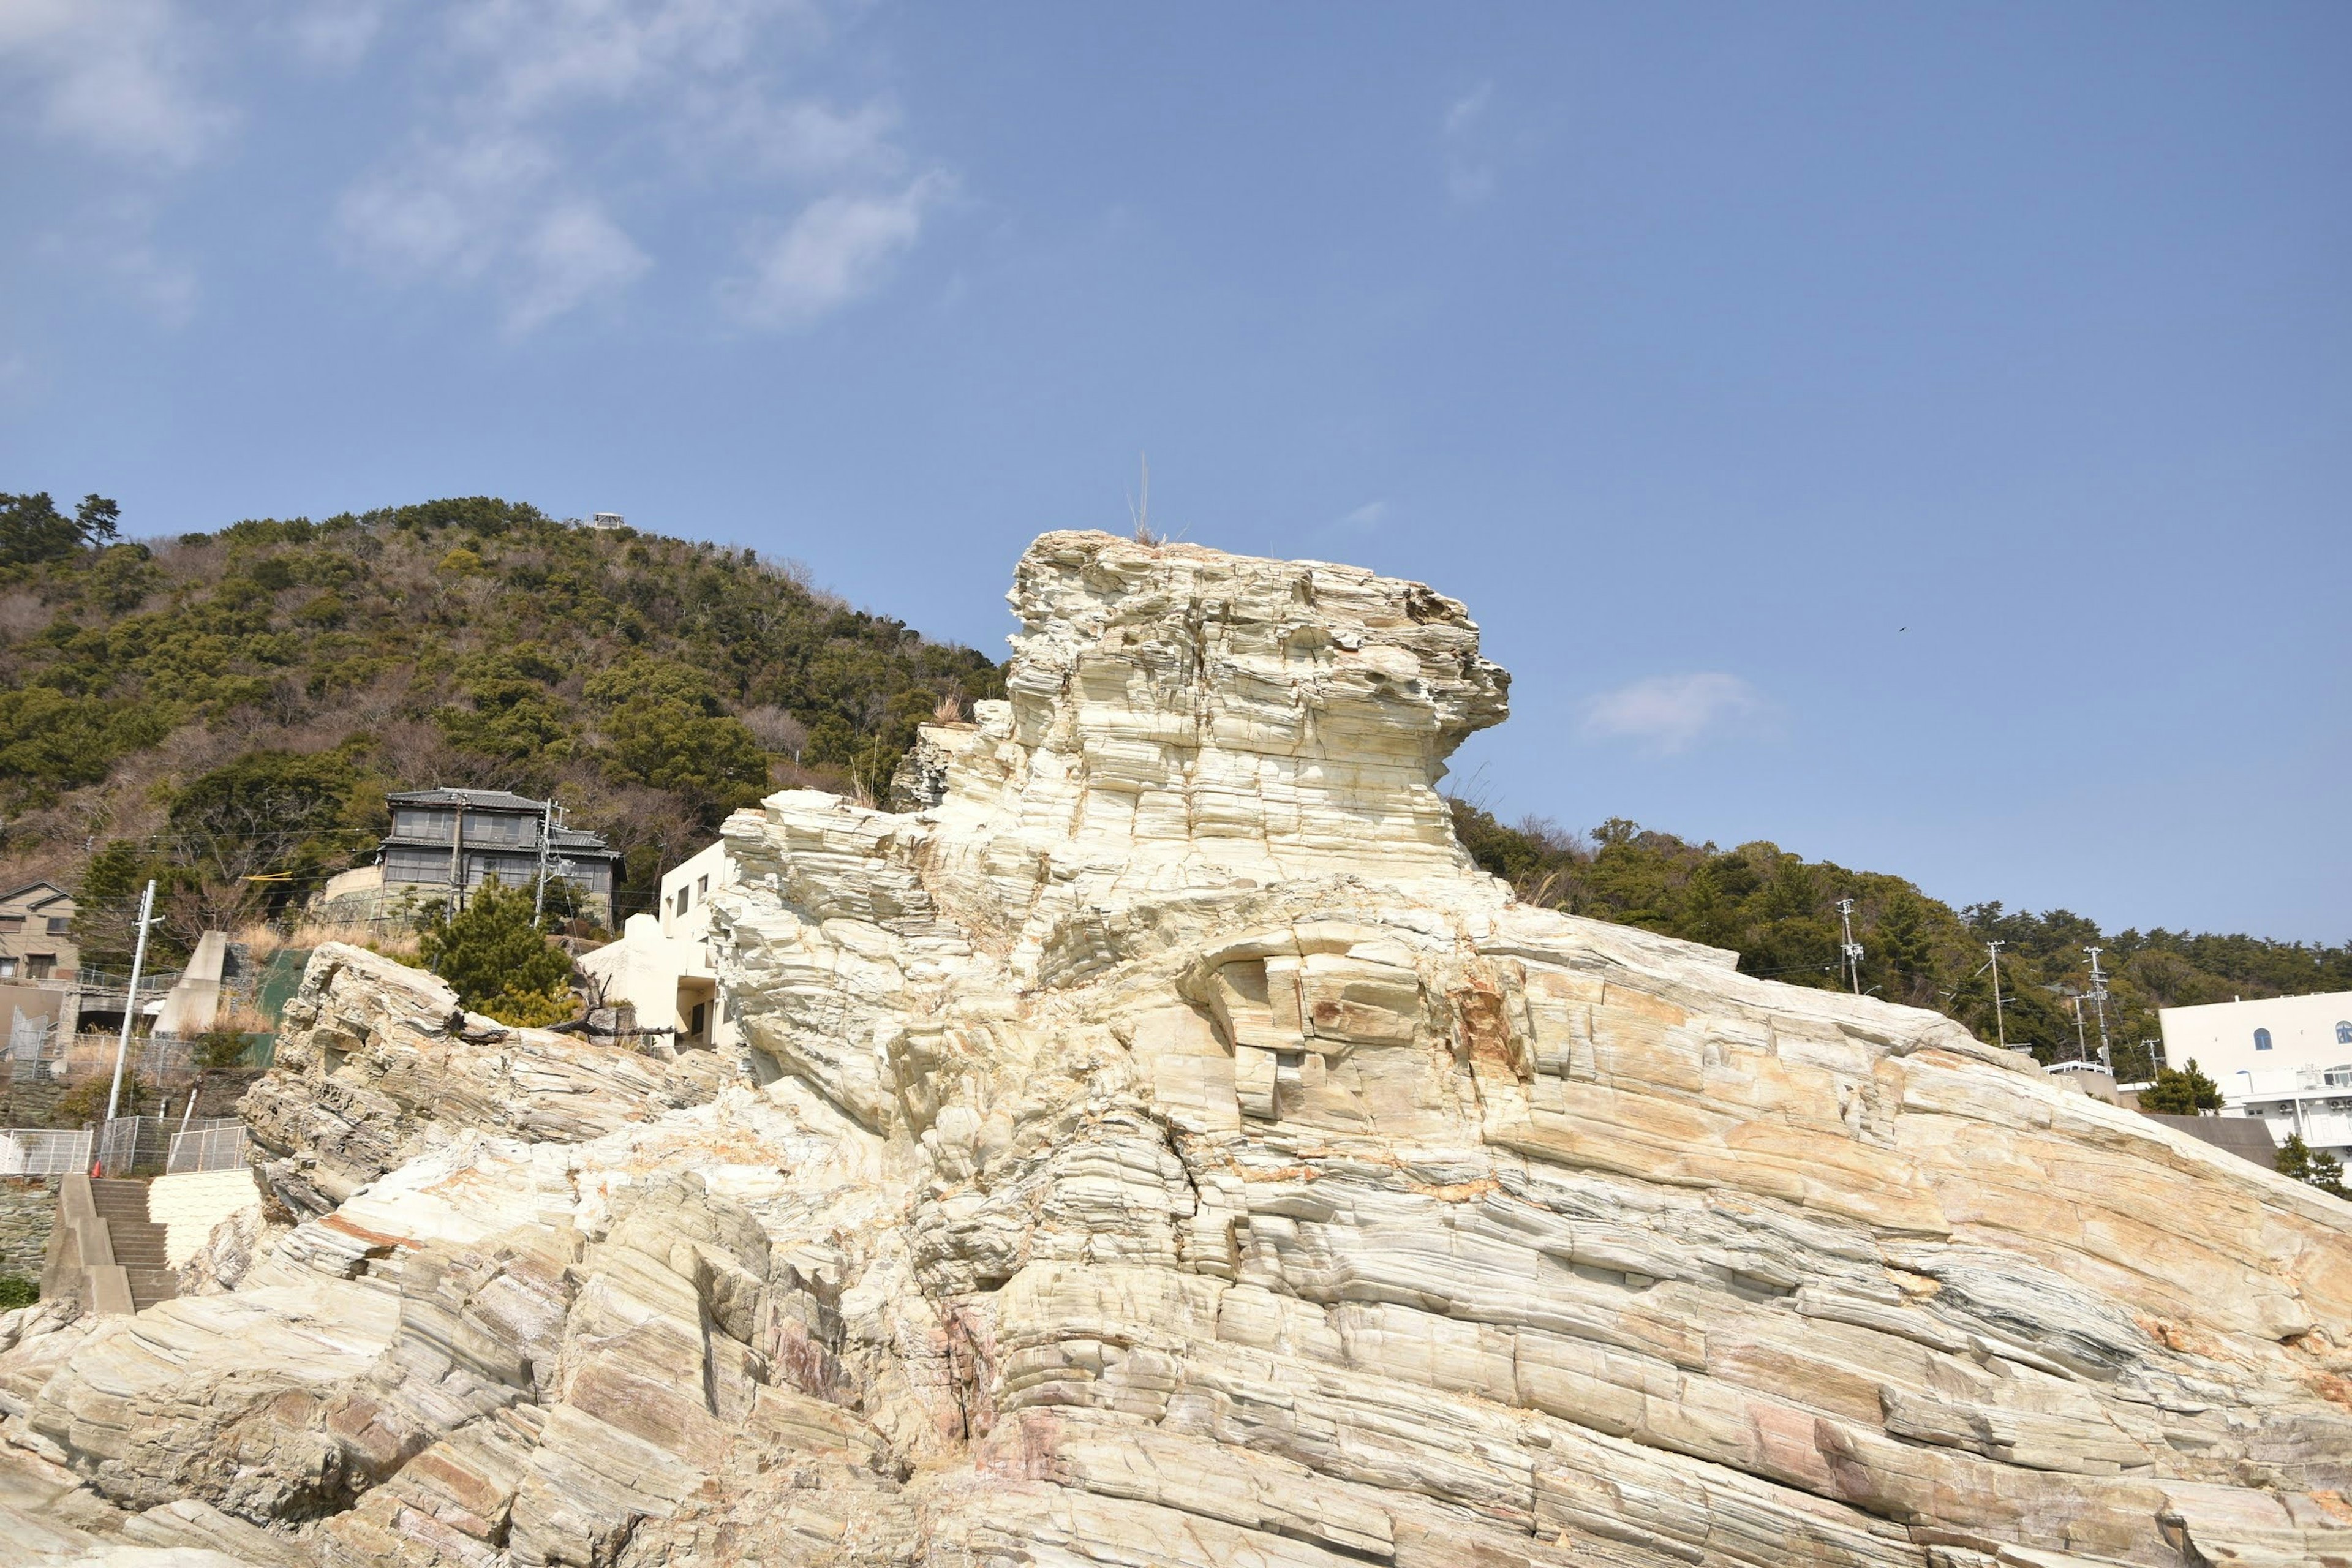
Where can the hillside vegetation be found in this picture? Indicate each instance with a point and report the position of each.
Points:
(225, 711)
(1780, 912)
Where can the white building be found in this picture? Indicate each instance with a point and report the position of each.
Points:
(2286, 1059)
(661, 966)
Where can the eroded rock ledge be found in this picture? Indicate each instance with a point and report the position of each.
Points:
(1162, 1145)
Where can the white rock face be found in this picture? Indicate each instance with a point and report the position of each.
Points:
(1169, 1149)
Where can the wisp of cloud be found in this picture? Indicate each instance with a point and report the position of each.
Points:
(1670, 713)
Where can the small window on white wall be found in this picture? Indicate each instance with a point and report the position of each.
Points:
(2343, 1032)
(2261, 1039)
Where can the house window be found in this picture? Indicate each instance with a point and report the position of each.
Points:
(11, 923)
(38, 964)
(60, 924)
(7, 969)
(684, 895)
(702, 887)
(694, 1025)
(2261, 1039)
(2343, 1032)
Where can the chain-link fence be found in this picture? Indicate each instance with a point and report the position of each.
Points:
(39, 1151)
(129, 1143)
(217, 1143)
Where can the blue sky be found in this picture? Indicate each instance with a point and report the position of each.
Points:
(1919, 436)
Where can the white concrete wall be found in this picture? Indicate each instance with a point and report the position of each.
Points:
(662, 964)
(643, 969)
(187, 1205)
(698, 878)
(2221, 1037)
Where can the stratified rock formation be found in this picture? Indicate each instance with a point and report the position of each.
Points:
(1160, 1145)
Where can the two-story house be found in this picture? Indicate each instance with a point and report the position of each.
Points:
(450, 841)
(37, 942)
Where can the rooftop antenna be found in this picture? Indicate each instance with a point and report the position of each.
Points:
(1851, 948)
(1999, 1027)
(2099, 1001)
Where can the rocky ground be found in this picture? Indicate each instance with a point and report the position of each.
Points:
(1160, 1145)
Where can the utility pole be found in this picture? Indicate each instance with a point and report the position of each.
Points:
(1851, 948)
(130, 996)
(458, 858)
(2081, 1051)
(546, 833)
(1999, 1027)
(2099, 1001)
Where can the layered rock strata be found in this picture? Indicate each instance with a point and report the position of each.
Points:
(1162, 1146)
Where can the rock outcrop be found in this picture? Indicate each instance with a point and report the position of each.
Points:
(1162, 1145)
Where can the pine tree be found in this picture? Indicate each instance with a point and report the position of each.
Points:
(2297, 1159)
(2184, 1093)
(496, 956)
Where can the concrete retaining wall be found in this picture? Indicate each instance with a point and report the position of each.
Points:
(189, 1205)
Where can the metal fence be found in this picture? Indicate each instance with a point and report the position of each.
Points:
(39, 1151)
(129, 1143)
(217, 1143)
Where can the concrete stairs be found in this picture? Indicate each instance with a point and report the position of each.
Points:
(137, 1241)
(104, 1250)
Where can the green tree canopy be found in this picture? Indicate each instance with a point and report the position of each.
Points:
(2297, 1159)
(2184, 1093)
(258, 830)
(667, 729)
(33, 529)
(497, 957)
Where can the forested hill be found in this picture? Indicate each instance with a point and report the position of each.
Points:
(228, 706)
(226, 712)
(1780, 912)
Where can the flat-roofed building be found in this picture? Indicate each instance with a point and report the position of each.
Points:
(2286, 1059)
(663, 967)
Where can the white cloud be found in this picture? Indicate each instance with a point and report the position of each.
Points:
(446, 207)
(528, 152)
(1367, 516)
(552, 54)
(1670, 713)
(573, 254)
(1469, 177)
(335, 34)
(836, 249)
(1463, 114)
(163, 285)
(801, 139)
(116, 76)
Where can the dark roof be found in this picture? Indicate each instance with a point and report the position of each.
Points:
(567, 841)
(472, 799)
(2247, 1137)
(55, 893)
